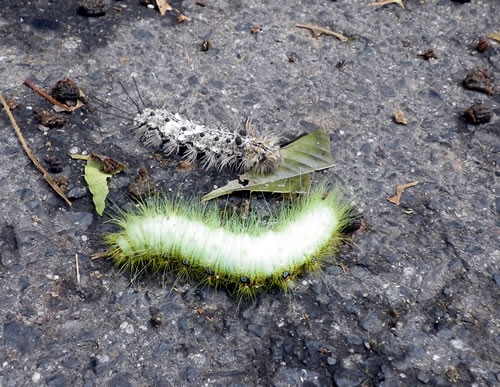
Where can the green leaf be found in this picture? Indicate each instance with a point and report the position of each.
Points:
(98, 184)
(307, 154)
(296, 184)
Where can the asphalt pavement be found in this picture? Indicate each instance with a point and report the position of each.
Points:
(412, 297)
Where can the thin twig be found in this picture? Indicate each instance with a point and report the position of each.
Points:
(32, 157)
(396, 199)
(317, 31)
(49, 98)
(77, 268)
(101, 255)
(385, 2)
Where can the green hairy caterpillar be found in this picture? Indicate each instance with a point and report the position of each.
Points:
(195, 241)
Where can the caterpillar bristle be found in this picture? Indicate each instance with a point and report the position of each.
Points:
(208, 160)
(246, 291)
(169, 148)
(262, 156)
(130, 97)
(123, 114)
(228, 161)
(190, 154)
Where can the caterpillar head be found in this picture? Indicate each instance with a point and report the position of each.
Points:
(261, 156)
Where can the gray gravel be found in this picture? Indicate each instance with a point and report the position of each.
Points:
(416, 299)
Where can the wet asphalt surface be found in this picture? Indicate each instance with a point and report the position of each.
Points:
(412, 298)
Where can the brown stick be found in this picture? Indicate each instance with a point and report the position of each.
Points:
(396, 199)
(77, 268)
(317, 31)
(49, 98)
(32, 157)
(384, 2)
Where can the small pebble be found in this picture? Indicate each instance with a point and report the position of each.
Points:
(127, 327)
(36, 377)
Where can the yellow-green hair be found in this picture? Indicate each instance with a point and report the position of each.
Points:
(194, 240)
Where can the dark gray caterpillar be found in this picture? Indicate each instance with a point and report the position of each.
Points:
(219, 148)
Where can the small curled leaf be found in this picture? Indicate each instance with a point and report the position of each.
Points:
(96, 173)
(98, 184)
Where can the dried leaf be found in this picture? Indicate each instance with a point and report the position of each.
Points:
(494, 36)
(12, 104)
(49, 119)
(479, 80)
(185, 165)
(163, 6)
(142, 185)
(318, 31)
(307, 154)
(255, 29)
(428, 54)
(108, 164)
(181, 18)
(396, 199)
(399, 117)
(58, 106)
(384, 2)
(206, 45)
